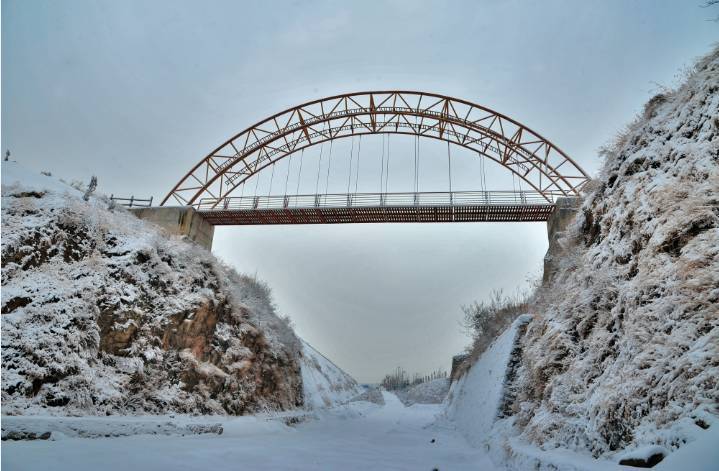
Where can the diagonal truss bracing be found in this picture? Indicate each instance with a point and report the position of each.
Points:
(522, 151)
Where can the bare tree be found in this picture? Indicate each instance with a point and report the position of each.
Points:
(90, 188)
(711, 3)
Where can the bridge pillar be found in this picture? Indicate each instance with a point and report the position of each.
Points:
(565, 210)
(180, 220)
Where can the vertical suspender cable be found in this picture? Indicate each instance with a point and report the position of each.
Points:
(272, 177)
(416, 164)
(297, 192)
(329, 165)
(449, 168)
(381, 175)
(481, 172)
(319, 166)
(242, 194)
(386, 174)
(257, 182)
(287, 178)
(359, 148)
(349, 178)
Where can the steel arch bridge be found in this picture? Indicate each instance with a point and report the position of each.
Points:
(548, 171)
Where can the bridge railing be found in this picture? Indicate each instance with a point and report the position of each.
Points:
(366, 200)
(132, 202)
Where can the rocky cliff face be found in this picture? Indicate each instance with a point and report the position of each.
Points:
(103, 313)
(624, 348)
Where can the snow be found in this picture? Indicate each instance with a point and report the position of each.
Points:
(15, 177)
(325, 384)
(474, 400)
(700, 455)
(623, 351)
(359, 436)
(429, 392)
(104, 314)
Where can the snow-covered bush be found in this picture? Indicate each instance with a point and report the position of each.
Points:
(624, 351)
(484, 321)
(103, 313)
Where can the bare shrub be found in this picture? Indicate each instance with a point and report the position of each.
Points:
(399, 379)
(486, 320)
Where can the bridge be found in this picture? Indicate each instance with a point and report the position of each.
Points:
(212, 185)
(434, 206)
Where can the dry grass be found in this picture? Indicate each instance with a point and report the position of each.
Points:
(486, 320)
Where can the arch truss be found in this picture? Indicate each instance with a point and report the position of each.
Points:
(542, 165)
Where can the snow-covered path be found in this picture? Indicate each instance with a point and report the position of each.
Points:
(361, 436)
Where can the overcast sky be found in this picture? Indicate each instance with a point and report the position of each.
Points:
(136, 92)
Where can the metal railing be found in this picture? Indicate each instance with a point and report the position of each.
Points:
(132, 202)
(368, 200)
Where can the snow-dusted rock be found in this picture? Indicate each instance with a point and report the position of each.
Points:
(103, 313)
(625, 349)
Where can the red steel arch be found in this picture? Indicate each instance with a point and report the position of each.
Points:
(524, 152)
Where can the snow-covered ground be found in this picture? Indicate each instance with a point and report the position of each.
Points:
(429, 392)
(359, 436)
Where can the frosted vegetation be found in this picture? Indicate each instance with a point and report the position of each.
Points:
(623, 349)
(484, 320)
(105, 314)
(620, 360)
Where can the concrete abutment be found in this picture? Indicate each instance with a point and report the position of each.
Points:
(565, 210)
(180, 220)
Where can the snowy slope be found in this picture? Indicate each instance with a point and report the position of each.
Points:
(474, 400)
(324, 383)
(103, 313)
(624, 352)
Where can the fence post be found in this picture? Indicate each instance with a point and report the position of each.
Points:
(132, 198)
(150, 202)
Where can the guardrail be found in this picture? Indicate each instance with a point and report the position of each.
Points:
(368, 200)
(132, 202)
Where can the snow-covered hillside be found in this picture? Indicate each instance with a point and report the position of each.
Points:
(103, 313)
(325, 384)
(622, 357)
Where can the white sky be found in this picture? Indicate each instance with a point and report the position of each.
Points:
(136, 92)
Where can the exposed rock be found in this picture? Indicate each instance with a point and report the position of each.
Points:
(105, 314)
(650, 462)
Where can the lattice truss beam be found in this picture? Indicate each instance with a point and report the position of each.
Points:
(522, 151)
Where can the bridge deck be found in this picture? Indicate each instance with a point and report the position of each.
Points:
(481, 206)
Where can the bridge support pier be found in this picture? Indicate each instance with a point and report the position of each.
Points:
(180, 220)
(564, 212)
